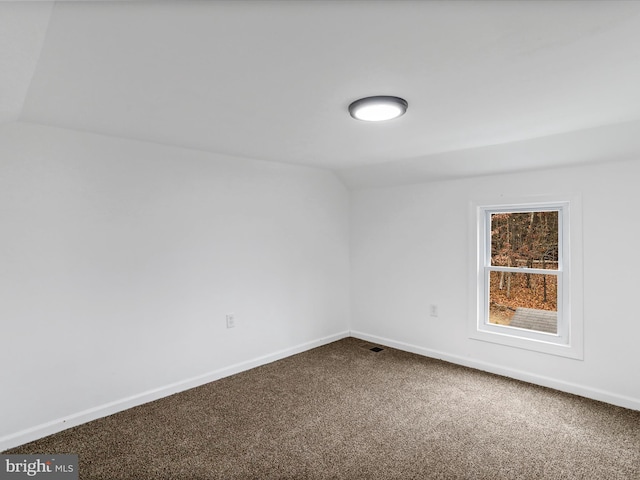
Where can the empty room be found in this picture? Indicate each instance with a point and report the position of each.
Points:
(319, 239)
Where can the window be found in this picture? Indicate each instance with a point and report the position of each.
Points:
(526, 290)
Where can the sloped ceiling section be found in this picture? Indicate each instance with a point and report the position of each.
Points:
(607, 143)
(272, 80)
(23, 26)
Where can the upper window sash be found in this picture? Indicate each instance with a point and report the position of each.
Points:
(490, 210)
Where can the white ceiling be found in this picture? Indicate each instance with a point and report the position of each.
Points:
(272, 79)
(22, 30)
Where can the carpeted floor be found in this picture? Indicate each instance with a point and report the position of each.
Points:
(342, 411)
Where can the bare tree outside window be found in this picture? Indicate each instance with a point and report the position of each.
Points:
(527, 241)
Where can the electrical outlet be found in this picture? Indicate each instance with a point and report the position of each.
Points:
(231, 320)
(433, 310)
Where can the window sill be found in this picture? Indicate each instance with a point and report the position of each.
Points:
(511, 339)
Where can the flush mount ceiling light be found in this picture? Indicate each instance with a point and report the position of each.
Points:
(379, 108)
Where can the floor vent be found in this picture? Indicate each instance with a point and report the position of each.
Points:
(376, 349)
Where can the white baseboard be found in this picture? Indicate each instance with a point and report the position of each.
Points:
(60, 424)
(561, 385)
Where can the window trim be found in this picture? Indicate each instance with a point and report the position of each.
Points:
(568, 342)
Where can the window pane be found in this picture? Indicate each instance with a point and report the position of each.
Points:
(524, 300)
(525, 239)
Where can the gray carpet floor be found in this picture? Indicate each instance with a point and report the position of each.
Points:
(342, 411)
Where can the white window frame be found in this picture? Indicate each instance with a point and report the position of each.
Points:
(568, 341)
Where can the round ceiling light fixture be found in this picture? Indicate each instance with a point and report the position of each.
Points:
(378, 108)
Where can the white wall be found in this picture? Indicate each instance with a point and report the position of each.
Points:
(120, 259)
(409, 249)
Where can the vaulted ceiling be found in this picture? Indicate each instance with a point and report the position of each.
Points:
(272, 80)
